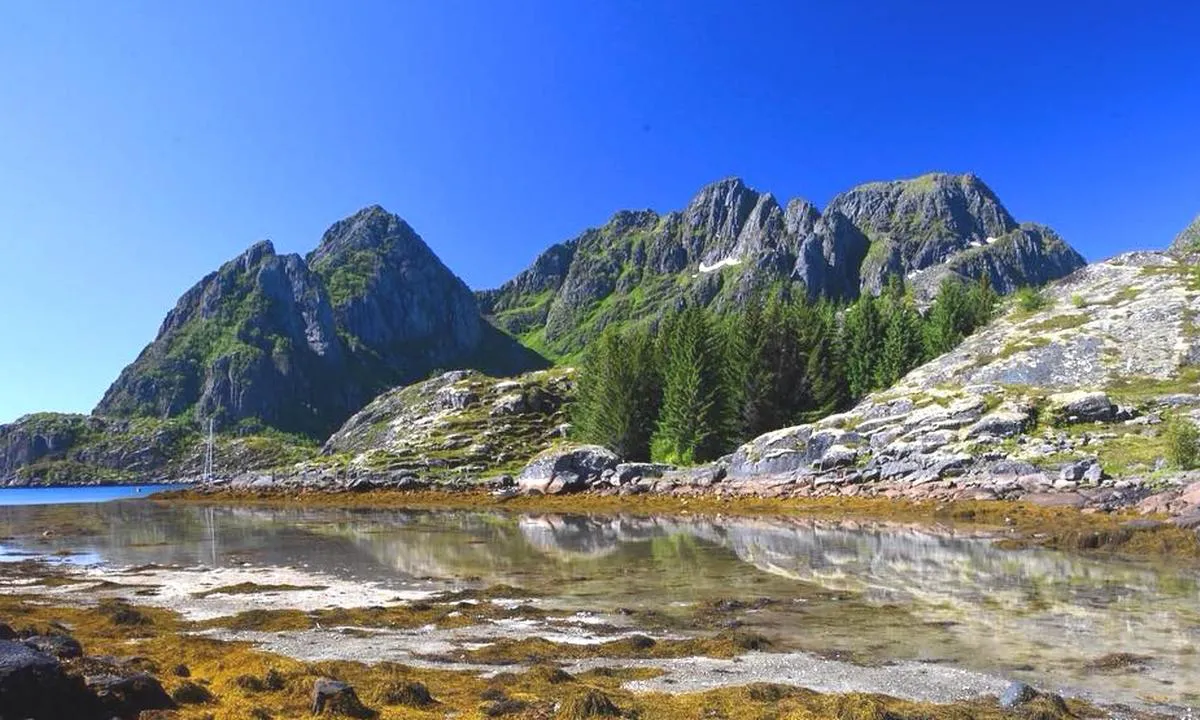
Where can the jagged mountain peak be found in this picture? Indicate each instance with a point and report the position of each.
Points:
(371, 228)
(730, 241)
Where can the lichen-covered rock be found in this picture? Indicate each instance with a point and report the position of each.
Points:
(1001, 423)
(788, 450)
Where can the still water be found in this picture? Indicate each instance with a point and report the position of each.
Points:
(70, 495)
(868, 591)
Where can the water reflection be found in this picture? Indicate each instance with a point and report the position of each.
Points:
(887, 592)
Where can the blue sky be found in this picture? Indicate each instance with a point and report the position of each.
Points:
(143, 143)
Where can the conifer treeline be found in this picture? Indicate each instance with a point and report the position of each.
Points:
(701, 383)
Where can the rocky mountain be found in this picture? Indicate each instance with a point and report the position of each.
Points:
(1188, 239)
(298, 344)
(1069, 401)
(731, 241)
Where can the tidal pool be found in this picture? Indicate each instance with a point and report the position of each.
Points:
(866, 593)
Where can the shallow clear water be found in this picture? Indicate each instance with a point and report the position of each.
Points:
(61, 495)
(867, 591)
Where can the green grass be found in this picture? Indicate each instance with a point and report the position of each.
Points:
(1060, 322)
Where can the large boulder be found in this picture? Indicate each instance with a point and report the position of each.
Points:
(567, 469)
(33, 685)
(1080, 407)
(60, 646)
(790, 450)
(1001, 423)
(127, 696)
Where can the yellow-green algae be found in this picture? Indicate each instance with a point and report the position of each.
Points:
(242, 682)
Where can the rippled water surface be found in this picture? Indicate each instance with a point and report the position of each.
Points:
(871, 592)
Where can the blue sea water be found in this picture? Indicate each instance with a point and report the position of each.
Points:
(90, 494)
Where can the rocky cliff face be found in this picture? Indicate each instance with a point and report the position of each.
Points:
(254, 340)
(731, 241)
(400, 309)
(299, 344)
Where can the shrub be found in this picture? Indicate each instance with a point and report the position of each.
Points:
(1031, 299)
(1183, 443)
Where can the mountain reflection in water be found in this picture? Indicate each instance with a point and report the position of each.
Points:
(885, 592)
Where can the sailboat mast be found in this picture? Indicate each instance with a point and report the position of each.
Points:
(208, 453)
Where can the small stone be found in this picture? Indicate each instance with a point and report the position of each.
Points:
(1016, 695)
(337, 698)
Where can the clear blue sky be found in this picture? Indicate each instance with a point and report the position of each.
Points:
(143, 143)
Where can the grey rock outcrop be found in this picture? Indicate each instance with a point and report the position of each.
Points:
(1081, 406)
(567, 469)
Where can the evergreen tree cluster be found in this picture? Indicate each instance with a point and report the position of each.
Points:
(699, 383)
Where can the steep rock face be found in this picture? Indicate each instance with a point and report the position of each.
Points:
(1030, 255)
(916, 223)
(254, 340)
(1188, 240)
(732, 241)
(298, 345)
(402, 310)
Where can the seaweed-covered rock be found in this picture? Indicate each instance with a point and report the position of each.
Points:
(128, 696)
(60, 646)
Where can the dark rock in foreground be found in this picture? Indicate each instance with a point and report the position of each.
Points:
(34, 685)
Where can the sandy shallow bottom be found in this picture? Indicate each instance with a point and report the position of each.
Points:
(195, 593)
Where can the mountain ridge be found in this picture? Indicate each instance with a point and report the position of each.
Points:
(731, 242)
(281, 349)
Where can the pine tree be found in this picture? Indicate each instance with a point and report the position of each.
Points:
(826, 367)
(749, 379)
(693, 422)
(902, 345)
(618, 393)
(981, 299)
(950, 318)
(863, 344)
(785, 355)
